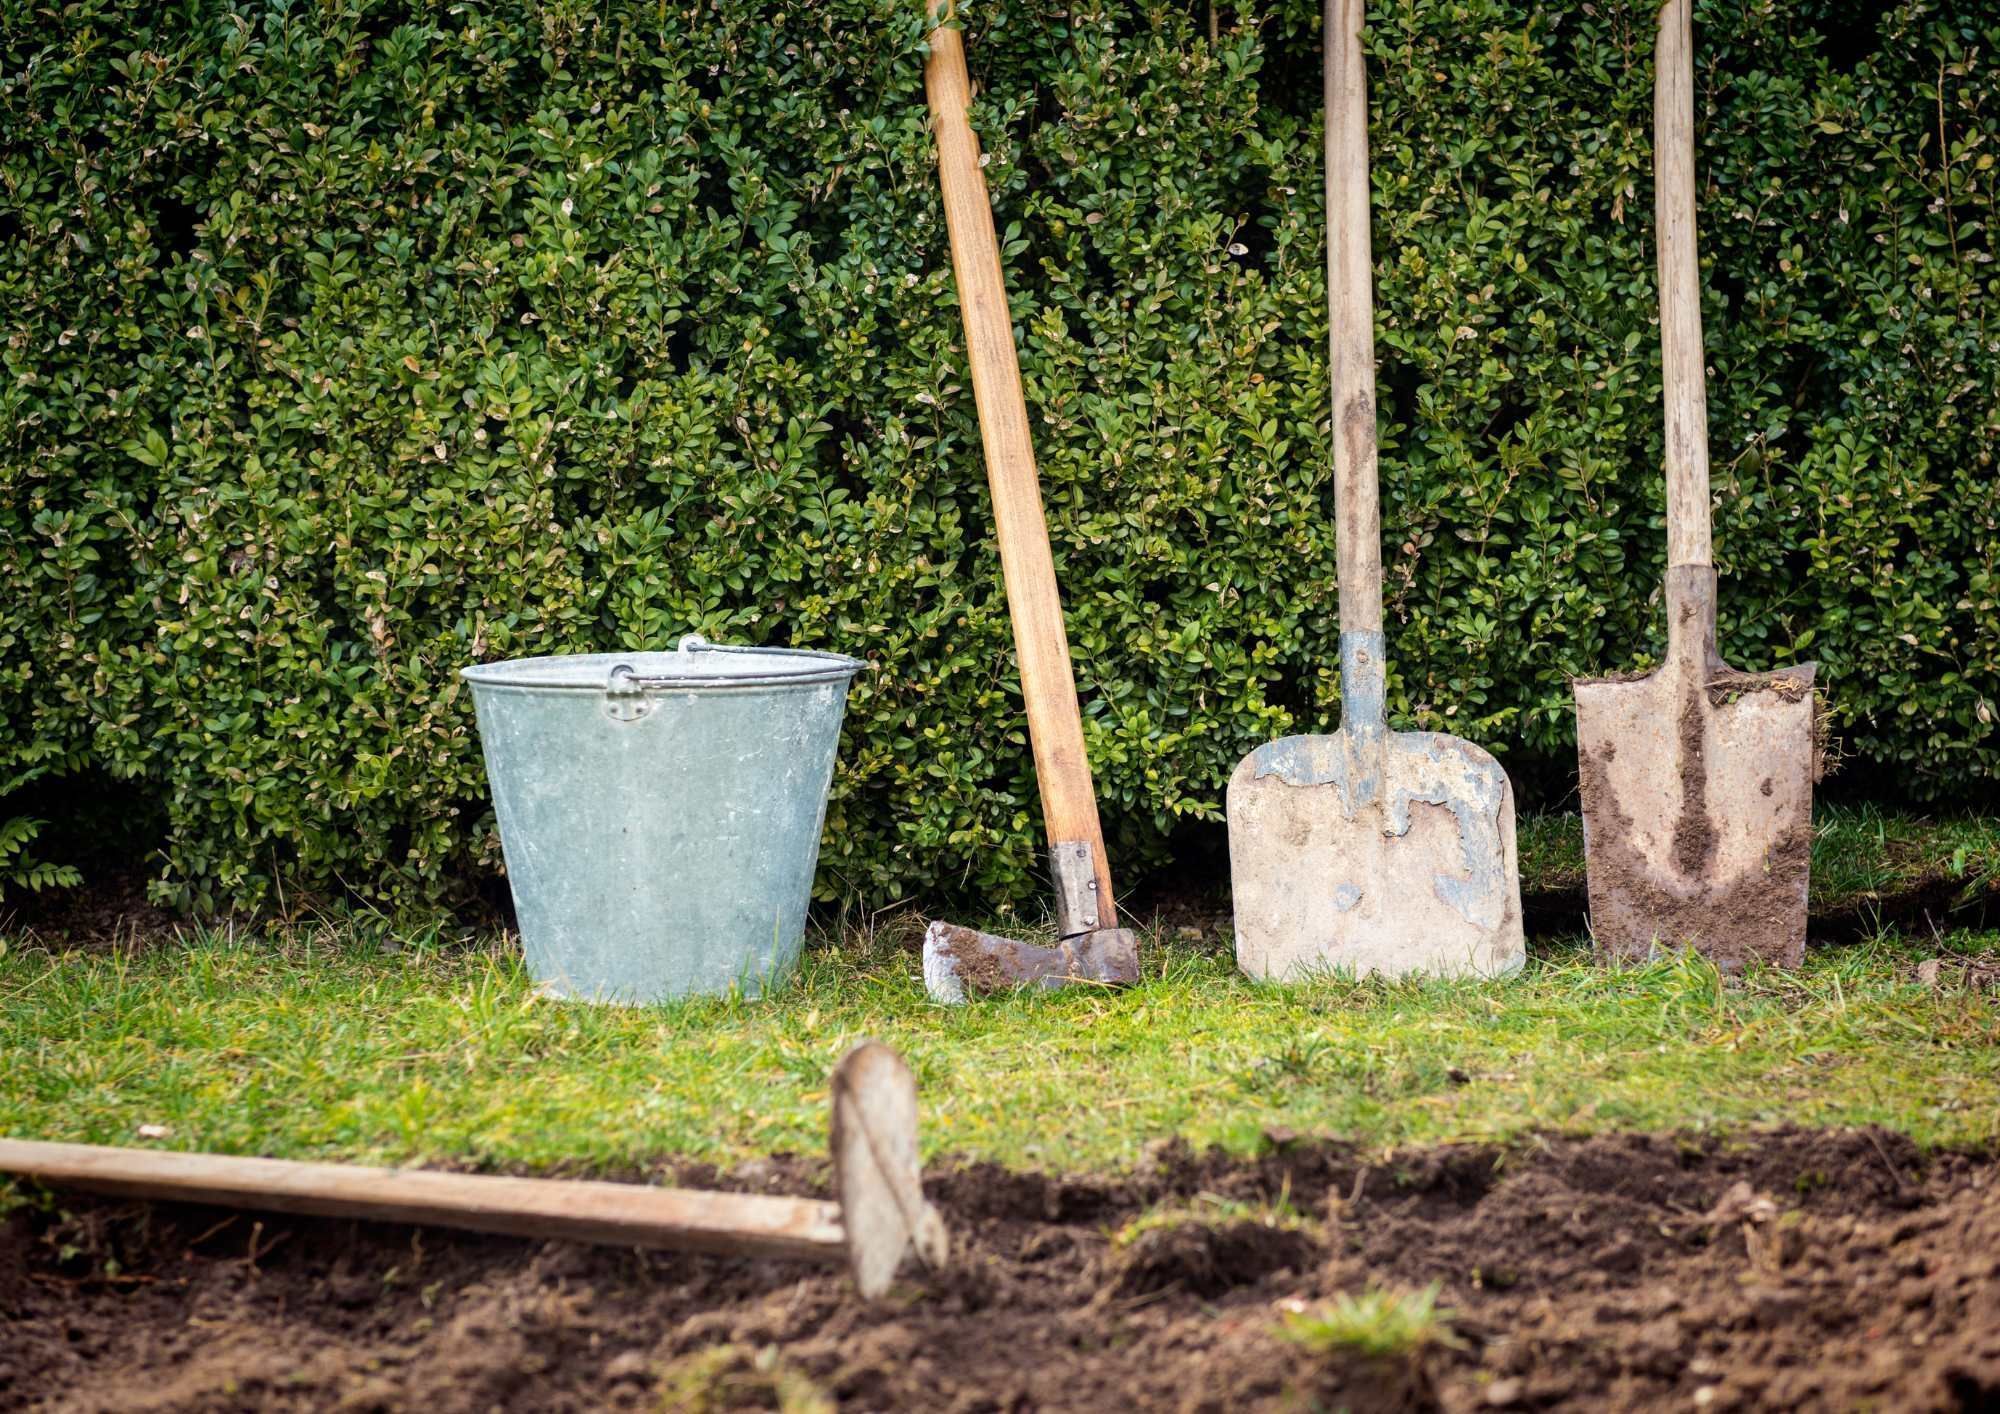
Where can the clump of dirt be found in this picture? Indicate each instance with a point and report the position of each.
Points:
(1270, 1373)
(1726, 684)
(1800, 1268)
(1207, 1259)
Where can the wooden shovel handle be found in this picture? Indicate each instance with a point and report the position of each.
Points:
(1683, 365)
(1055, 726)
(1350, 303)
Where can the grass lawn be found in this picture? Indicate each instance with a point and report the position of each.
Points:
(344, 1040)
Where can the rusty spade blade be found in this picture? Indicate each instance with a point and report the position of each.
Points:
(1368, 850)
(1697, 779)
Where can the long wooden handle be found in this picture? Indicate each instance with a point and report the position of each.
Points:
(1683, 366)
(1350, 305)
(1055, 726)
(741, 1224)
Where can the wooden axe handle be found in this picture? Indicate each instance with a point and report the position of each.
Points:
(1055, 726)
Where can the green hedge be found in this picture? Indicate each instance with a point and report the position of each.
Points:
(349, 342)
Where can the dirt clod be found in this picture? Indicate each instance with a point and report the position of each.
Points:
(1727, 685)
(1207, 1259)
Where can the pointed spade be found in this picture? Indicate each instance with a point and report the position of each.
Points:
(1697, 779)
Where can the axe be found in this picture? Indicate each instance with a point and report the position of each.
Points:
(1091, 945)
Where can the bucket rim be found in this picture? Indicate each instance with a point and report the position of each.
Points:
(694, 667)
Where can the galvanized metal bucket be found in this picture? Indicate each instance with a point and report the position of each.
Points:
(660, 812)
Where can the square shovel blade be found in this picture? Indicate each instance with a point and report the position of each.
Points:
(1697, 811)
(1389, 852)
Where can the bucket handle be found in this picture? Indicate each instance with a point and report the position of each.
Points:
(627, 691)
(625, 697)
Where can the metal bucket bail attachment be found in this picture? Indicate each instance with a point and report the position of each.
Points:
(626, 691)
(624, 696)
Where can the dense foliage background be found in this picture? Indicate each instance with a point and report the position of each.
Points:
(347, 342)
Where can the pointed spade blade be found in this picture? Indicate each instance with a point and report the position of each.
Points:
(1697, 812)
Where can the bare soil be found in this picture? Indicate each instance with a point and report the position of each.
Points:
(1794, 1270)
(111, 914)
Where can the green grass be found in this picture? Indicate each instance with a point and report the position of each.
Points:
(358, 1041)
(1861, 855)
(321, 1042)
(725, 1378)
(1212, 1210)
(1550, 849)
(1378, 1324)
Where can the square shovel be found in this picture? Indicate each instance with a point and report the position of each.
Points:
(1697, 779)
(1368, 850)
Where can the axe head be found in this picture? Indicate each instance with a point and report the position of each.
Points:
(963, 962)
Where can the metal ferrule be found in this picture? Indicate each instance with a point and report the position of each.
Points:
(1364, 730)
(1073, 868)
(1362, 682)
(1691, 616)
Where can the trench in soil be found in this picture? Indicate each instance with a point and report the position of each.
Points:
(1796, 1268)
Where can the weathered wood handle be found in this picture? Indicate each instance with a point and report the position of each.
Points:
(1350, 304)
(882, 1214)
(630, 1214)
(1055, 726)
(1683, 365)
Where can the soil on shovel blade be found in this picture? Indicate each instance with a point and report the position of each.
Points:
(1744, 920)
(1798, 1269)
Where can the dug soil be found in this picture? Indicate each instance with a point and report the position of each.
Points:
(1796, 1269)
